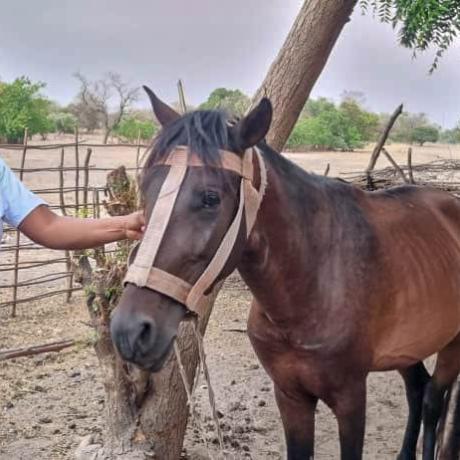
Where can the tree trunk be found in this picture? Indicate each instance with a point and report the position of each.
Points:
(107, 132)
(300, 61)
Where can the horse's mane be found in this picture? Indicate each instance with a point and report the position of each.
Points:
(203, 131)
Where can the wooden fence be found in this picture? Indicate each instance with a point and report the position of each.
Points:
(74, 184)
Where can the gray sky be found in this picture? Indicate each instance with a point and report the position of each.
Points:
(211, 43)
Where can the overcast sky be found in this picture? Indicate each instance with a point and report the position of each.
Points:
(211, 43)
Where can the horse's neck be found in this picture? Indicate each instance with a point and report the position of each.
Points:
(276, 255)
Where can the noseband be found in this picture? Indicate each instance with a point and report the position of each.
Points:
(143, 273)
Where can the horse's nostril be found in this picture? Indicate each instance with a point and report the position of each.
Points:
(146, 329)
(145, 336)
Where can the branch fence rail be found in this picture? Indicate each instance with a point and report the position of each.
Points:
(75, 186)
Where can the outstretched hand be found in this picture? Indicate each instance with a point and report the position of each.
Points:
(135, 225)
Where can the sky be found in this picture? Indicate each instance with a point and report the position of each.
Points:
(210, 44)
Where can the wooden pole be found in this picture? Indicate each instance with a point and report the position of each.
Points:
(409, 166)
(36, 349)
(18, 234)
(77, 171)
(395, 165)
(381, 142)
(68, 260)
(138, 152)
(86, 181)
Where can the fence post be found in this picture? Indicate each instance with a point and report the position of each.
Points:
(18, 234)
(77, 172)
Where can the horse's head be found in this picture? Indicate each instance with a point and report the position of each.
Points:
(201, 188)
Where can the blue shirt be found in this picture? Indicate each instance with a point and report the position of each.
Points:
(16, 201)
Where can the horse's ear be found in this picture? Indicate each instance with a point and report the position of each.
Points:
(255, 125)
(164, 114)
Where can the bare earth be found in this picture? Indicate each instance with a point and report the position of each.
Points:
(49, 402)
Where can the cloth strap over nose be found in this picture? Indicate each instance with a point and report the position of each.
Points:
(142, 271)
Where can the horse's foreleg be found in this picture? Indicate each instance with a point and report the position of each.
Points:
(415, 379)
(298, 416)
(349, 407)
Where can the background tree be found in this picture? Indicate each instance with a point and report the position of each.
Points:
(423, 134)
(22, 106)
(421, 23)
(134, 124)
(232, 100)
(98, 97)
(325, 126)
(87, 116)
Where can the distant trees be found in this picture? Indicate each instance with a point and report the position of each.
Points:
(450, 136)
(423, 134)
(413, 127)
(134, 124)
(96, 99)
(22, 106)
(232, 100)
(325, 126)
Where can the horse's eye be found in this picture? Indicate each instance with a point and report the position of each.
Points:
(210, 199)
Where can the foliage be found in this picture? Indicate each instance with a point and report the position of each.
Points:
(423, 23)
(232, 100)
(22, 106)
(406, 124)
(366, 123)
(423, 134)
(63, 122)
(450, 136)
(329, 130)
(325, 126)
(131, 127)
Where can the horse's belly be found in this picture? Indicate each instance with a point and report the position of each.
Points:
(415, 335)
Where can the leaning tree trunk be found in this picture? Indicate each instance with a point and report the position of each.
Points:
(149, 413)
(300, 61)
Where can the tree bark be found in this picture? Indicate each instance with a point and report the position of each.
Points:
(300, 61)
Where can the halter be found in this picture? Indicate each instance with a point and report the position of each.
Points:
(143, 273)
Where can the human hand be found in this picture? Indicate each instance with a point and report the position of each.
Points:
(134, 225)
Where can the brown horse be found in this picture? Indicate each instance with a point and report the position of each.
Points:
(345, 282)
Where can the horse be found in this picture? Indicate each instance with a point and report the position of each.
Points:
(344, 281)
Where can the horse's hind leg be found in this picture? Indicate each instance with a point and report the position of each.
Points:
(415, 379)
(298, 416)
(446, 370)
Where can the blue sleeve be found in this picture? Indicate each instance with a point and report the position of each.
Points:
(16, 201)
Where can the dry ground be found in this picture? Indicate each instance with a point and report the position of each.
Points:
(48, 402)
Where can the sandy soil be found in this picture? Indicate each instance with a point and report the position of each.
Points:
(48, 402)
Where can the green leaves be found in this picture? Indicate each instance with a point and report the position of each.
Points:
(232, 100)
(422, 23)
(131, 127)
(22, 106)
(323, 126)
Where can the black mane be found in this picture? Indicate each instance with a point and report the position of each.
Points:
(203, 131)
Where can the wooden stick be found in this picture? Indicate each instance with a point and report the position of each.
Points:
(18, 234)
(36, 349)
(395, 165)
(381, 142)
(39, 297)
(86, 181)
(77, 170)
(409, 166)
(326, 172)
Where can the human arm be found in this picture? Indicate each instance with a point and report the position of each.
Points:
(56, 232)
